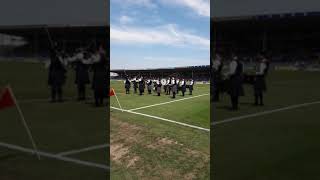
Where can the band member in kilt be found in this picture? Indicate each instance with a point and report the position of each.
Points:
(178, 85)
(191, 86)
(168, 86)
(82, 78)
(155, 85)
(127, 85)
(260, 83)
(174, 87)
(217, 72)
(99, 82)
(141, 86)
(80, 63)
(183, 86)
(149, 86)
(57, 76)
(235, 75)
(158, 87)
(135, 84)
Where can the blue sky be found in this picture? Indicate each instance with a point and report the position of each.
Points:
(159, 33)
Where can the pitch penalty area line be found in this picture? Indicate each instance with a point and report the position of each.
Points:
(143, 107)
(53, 156)
(264, 113)
(163, 119)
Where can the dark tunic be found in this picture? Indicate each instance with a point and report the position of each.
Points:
(260, 82)
(159, 87)
(183, 86)
(135, 84)
(174, 86)
(236, 88)
(142, 86)
(57, 73)
(127, 84)
(82, 73)
(218, 78)
(100, 80)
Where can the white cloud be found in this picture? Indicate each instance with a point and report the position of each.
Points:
(126, 20)
(169, 35)
(201, 7)
(141, 3)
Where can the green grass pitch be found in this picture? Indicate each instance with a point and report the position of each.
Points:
(56, 127)
(143, 147)
(279, 145)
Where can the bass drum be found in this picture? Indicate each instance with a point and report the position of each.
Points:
(163, 81)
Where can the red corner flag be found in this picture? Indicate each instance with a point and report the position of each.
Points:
(111, 93)
(6, 98)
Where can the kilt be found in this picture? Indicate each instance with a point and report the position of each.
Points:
(183, 88)
(127, 86)
(158, 89)
(149, 87)
(141, 87)
(174, 88)
(190, 87)
(235, 86)
(260, 84)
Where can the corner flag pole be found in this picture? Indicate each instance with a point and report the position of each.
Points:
(24, 123)
(117, 99)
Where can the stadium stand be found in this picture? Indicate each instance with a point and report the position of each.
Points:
(198, 73)
(289, 39)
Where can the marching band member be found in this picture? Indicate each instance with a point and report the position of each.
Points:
(174, 87)
(235, 72)
(260, 83)
(183, 86)
(149, 86)
(127, 85)
(191, 86)
(158, 87)
(141, 85)
(217, 72)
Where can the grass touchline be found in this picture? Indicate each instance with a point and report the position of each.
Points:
(167, 102)
(163, 119)
(264, 113)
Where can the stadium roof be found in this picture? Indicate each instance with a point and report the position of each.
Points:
(235, 9)
(57, 13)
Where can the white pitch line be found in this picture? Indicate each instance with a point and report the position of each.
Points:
(66, 153)
(263, 113)
(163, 119)
(143, 107)
(53, 156)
